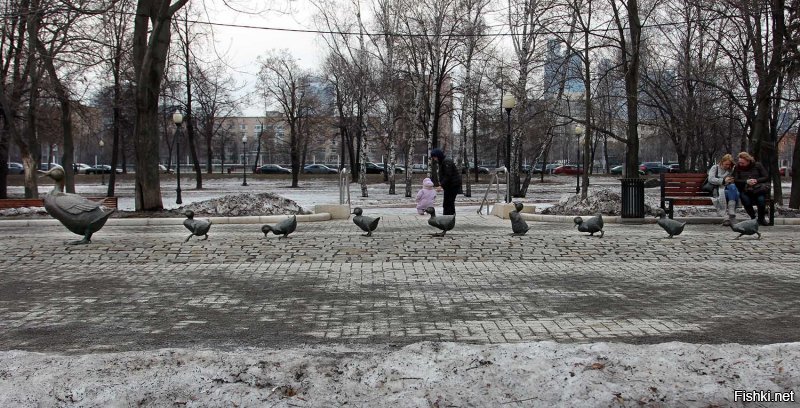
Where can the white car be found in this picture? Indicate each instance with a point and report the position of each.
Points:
(80, 168)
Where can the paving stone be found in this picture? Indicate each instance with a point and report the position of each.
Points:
(140, 287)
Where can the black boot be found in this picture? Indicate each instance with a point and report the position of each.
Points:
(761, 213)
(750, 211)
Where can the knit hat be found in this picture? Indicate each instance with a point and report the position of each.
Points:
(427, 182)
(437, 153)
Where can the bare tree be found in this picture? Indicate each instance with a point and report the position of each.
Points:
(151, 39)
(282, 81)
(214, 89)
(20, 84)
(629, 42)
(475, 44)
(527, 21)
(432, 40)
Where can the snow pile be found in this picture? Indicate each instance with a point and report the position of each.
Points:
(421, 374)
(234, 205)
(603, 201)
(22, 212)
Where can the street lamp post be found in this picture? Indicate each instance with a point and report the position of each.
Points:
(102, 170)
(177, 118)
(244, 155)
(578, 133)
(509, 102)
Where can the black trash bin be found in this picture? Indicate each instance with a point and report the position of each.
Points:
(632, 198)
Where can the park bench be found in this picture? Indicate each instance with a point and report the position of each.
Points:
(110, 202)
(685, 189)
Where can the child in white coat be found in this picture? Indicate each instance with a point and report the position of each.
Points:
(426, 196)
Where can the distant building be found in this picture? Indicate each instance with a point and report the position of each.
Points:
(562, 66)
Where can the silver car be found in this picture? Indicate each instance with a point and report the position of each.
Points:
(15, 168)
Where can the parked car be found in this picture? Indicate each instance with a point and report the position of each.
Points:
(674, 168)
(398, 169)
(550, 168)
(568, 169)
(653, 168)
(45, 166)
(272, 169)
(481, 170)
(15, 168)
(102, 169)
(419, 168)
(618, 170)
(785, 172)
(319, 169)
(164, 170)
(373, 168)
(80, 168)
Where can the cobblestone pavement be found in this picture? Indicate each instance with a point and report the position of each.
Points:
(139, 288)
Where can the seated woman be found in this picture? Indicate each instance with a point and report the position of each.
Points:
(725, 195)
(752, 180)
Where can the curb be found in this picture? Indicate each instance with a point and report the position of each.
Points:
(648, 220)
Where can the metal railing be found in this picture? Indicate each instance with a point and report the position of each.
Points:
(344, 186)
(495, 181)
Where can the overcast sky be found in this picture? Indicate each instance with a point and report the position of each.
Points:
(242, 45)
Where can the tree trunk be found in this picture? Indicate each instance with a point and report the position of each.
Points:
(3, 157)
(115, 128)
(632, 91)
(794, 201)
(149, 58)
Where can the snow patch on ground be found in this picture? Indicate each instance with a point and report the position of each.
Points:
(419, 375)
(22, 212)
(233, 205)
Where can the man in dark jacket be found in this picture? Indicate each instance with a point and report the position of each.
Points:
(449, 180)
(752, 180)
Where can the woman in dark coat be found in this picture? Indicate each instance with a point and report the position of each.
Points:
(752, 180)
(449, 180)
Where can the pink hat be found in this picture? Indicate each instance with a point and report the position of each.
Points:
(427, 182)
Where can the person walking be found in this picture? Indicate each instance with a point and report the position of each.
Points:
(449, 181)
(752, 180)
(426, 196)
(725, 196)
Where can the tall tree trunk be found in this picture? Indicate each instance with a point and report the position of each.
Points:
(149, 58)
(4, 136)
(794, 201)
(190, 130)
(115, 125)
(66, 117)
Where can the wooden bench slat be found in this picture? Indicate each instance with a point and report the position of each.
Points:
(110, 202)
(685, 194)
(691, 201)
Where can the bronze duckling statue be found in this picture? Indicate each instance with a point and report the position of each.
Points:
(79, 214)
(592, 225)
(283, 228)
(196, 227)
(518, 224)
(367, 224)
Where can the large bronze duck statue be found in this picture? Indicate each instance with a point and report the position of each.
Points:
(80, 215)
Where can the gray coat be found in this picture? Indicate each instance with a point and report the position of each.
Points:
(716, 176)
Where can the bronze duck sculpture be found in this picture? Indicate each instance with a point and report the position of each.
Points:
(80, 215)
(442, 222)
